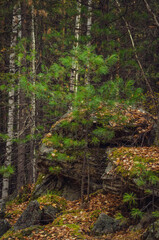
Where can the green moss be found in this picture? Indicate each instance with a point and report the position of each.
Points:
(38, 182)
(24, 194)
(116, 153)
(96, 193)
(52, 199)
(40, 179)
(58, 221)
(73, 226)
(142, 159)
(9, 233)
(95, 214)
(124, 173)
(21, 234)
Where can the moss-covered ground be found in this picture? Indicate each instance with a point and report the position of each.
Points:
(75, 222)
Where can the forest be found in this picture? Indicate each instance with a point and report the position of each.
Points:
(79, 118)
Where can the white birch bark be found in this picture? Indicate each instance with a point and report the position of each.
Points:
(11, 104)
(89, 25)
(75, 67)
(33, 100)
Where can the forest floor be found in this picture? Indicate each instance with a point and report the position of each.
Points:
(74, 222)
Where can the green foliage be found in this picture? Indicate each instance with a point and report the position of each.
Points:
(55, 170)
(52, 199)
(3, 136)
(147, 179)
(140, 182)
(24, 194)
(120, 217)
(6, 171)
(129, 198)
(155, 214)
(103, 134)
(136, 213)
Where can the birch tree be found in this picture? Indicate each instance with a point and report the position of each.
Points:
(75, 66)
(11, 104)
(89, 25)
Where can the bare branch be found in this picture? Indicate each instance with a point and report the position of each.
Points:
(152, 13)
(135, 52)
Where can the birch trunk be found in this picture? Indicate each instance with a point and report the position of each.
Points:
(11, 94)
(75, 67)
(89, 25)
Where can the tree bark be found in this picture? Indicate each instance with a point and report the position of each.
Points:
(74, 72)
(21, 178)
(89, 25)
(10, 131)
(32, 166)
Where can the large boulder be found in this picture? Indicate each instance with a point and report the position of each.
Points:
(68, 181)
(4, 226)
(74, 164)
(106, 224)
(49, 213)
(69, 189)
(124, 170)
(31, 216)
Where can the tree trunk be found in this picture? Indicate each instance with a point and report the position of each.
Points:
(74, 72)
(33, 105)
(89, 25)
(21, 178)
(10, 122)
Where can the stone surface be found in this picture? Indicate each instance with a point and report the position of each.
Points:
(68, 188)
(30, 216)
(48, 183)
(152, 232)
(71, 171)
(68, 182)
(49, 213)
(105, 225)
(4, 226)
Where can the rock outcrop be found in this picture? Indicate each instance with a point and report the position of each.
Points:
(106, 224)
(129, 165)
(4, 226)
(152, 233)
(68, 181)
(136, 129)
(33, 215)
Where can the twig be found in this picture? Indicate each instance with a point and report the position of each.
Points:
(152, 13)
(135, 52)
